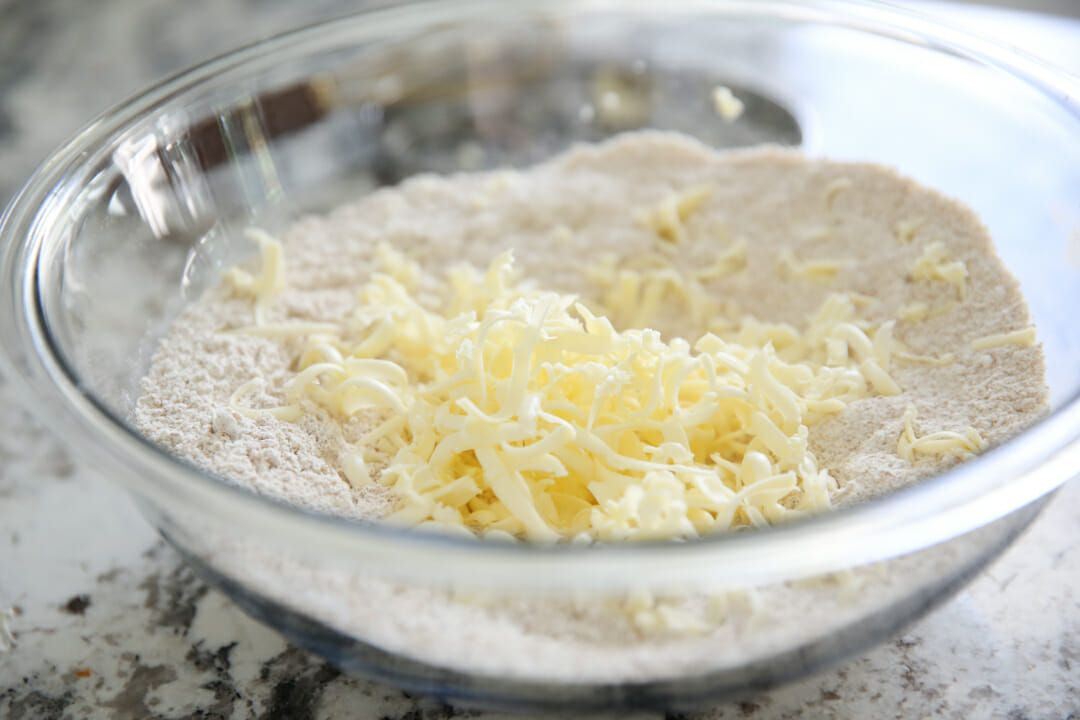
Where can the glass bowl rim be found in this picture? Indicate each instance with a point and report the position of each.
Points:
(962, 499)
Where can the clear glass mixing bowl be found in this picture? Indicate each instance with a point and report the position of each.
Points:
(139, 213)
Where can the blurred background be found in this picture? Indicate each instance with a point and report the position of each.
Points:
(64, 62)
(1064, 7)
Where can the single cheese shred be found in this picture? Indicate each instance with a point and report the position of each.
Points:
(910, 445)
(1025, 337)
(271, 277)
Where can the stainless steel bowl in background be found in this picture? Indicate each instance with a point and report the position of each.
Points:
(139, 213)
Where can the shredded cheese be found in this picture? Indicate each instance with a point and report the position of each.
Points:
(919, 311)
(1017, 337)
(726, 263)
(632, 297)
(933, 264)
(823, 271)
(287, 413)
(939, 361)
(726, 105)
(834, 188)
(268, 282)
(910, 445)
(668, 217)
(285, 330)
(914, 312)
(907, 229)
(651, 615)
(521, 413)
(562, 235)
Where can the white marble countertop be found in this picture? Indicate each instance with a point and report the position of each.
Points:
(107, 622)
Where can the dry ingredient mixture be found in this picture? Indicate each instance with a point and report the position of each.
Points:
(639, 339)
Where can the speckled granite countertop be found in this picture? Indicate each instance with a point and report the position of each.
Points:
(106, 621)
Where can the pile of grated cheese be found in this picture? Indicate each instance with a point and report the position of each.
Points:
(514, 412)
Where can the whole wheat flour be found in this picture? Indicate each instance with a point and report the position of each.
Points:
(776, 235)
